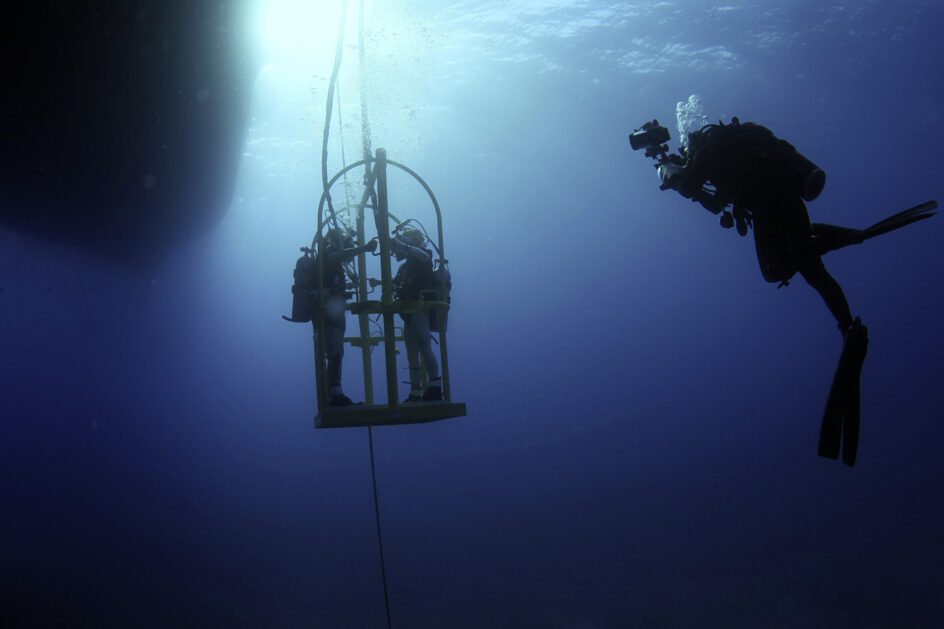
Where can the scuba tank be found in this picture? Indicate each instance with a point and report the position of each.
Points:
(440, 316)
(798, 175)
(807, 178)
(303, 290)
(751, 154)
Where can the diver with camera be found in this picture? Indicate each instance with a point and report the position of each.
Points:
(766, 181)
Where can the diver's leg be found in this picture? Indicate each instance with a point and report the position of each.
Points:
(841, 419)
(828, 238)
(334, 326)
(781, 227)
(421, 330)
(767, 244)
(413, 358)
(784, 242)
(814, 272)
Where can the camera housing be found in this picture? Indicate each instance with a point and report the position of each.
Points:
(651, 135)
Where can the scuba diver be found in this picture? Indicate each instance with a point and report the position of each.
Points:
(338, 250)
(766, 180)
(413, 278)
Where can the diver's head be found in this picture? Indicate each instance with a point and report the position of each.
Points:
(338, 238)
(696, 140)
(410, 238)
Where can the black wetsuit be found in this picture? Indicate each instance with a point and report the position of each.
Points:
(750, 167)
(414, 276)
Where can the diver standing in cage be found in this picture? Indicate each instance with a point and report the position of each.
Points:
(415, 276)
(339, 249)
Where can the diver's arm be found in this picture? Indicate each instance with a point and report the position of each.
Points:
(684, 176)
(345, 255)
(689, 181)
(709, 201)
(403, 250)
(415, 253)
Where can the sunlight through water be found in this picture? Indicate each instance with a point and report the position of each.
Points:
(301, 32)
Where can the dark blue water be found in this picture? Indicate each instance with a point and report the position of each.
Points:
(640, 449)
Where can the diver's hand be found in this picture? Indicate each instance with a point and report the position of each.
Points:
(669, 173)
(372, 245)
(397, 247)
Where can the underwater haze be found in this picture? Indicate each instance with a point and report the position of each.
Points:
(640, 448)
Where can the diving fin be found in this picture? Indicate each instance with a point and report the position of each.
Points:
(828, 238)
(830, 432)
(840, 427)
(857, 345)
(909, 216)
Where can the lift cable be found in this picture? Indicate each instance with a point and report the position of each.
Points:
(373, 480)
(365, 130)
(362, 68)
(329, 107)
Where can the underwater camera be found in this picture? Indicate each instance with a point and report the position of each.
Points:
(652, 137)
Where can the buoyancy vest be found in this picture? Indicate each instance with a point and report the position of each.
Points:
(413, 277)
(746, 162)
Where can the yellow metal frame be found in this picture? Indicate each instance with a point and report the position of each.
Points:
(371, 413)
